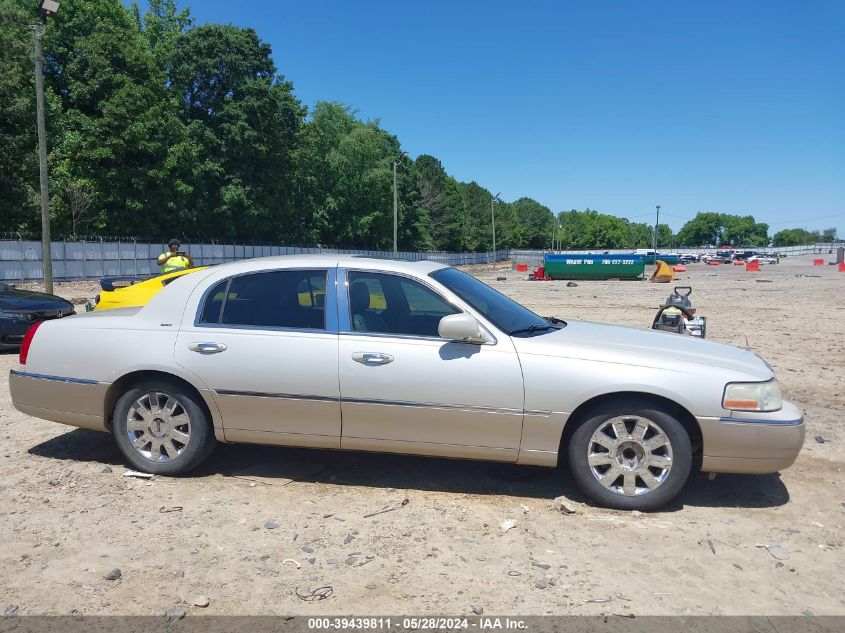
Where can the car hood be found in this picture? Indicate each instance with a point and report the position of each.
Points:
(642, 348)
(29, 300)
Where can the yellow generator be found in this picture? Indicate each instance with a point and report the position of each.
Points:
(677, 315)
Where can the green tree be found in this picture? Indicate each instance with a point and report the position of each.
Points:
(640, 235)
(242, 123)
(440, 202)
(354, 178)
(590, 229)
(161, 26)
(534, 224)
(706, 228)
(116, 124)
(19, 194)
(745, 231)
(795, 237)
(157, 127)
(789, 237)
(716, 229)
(665, 237)
(477, 229)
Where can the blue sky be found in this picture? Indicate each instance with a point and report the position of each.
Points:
(719, 106)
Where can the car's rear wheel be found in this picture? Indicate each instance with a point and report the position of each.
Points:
(161, 428)
(630, 455)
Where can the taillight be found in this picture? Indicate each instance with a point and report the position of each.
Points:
(27, 341)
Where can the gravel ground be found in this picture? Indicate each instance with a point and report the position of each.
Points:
(271, 542)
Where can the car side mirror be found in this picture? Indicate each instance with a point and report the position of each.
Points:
(463, 328)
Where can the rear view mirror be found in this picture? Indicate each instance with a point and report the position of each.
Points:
(463, 328)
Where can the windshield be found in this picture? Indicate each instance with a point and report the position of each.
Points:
(504, 313)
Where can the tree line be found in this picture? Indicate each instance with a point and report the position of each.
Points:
(158, 127)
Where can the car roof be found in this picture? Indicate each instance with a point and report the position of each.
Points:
(167, 305)
(331, 260)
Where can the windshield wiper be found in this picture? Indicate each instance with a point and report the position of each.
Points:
(556, 321)
(532, 328)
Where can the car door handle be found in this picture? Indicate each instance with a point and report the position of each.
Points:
(370, 358)
(207, 348)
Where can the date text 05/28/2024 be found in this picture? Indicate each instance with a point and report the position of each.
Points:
(418, 623)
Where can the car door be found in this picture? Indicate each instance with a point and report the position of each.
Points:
(265, 343)
(405, 389)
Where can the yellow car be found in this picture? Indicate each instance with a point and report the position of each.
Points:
(135, 292)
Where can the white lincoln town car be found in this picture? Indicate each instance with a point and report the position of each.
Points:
(346, 352)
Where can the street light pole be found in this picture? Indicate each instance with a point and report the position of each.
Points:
(493, 201)
(395, 212)
(46, 9)
(654, 235)
(396, 205)
(38, 31)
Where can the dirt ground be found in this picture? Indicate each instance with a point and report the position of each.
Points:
(259, 543)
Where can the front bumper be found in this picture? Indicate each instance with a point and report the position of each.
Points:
(75, 401)
(752, 442)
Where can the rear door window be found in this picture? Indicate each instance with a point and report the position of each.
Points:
(276, 299)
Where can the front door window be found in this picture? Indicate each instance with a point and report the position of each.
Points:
(391, 304)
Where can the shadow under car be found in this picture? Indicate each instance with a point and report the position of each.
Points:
(385, 470)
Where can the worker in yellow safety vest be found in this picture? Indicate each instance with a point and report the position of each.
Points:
(174, 259)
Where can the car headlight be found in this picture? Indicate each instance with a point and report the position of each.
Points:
(13, 315)
(753, 396)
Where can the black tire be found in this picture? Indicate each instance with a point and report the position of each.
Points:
(200, 433)
(671, 480)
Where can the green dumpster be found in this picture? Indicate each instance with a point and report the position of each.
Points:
(594, 266)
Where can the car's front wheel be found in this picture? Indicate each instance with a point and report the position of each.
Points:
(161, 428)
(630, 455)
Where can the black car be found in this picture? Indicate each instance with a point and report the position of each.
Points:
(745, 255)
(21, 308)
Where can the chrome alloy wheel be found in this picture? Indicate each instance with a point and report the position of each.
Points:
(158, 426)
(630, 455)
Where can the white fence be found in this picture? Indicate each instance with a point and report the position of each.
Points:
(534, 258)
(21, 260)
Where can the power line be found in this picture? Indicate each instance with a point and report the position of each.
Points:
(677, 217)
(805, 220)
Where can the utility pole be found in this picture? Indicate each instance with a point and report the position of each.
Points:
(396, 205)
(38, 31)
(395, 212)
(654, 235)
(46, 9)
(493, 218)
